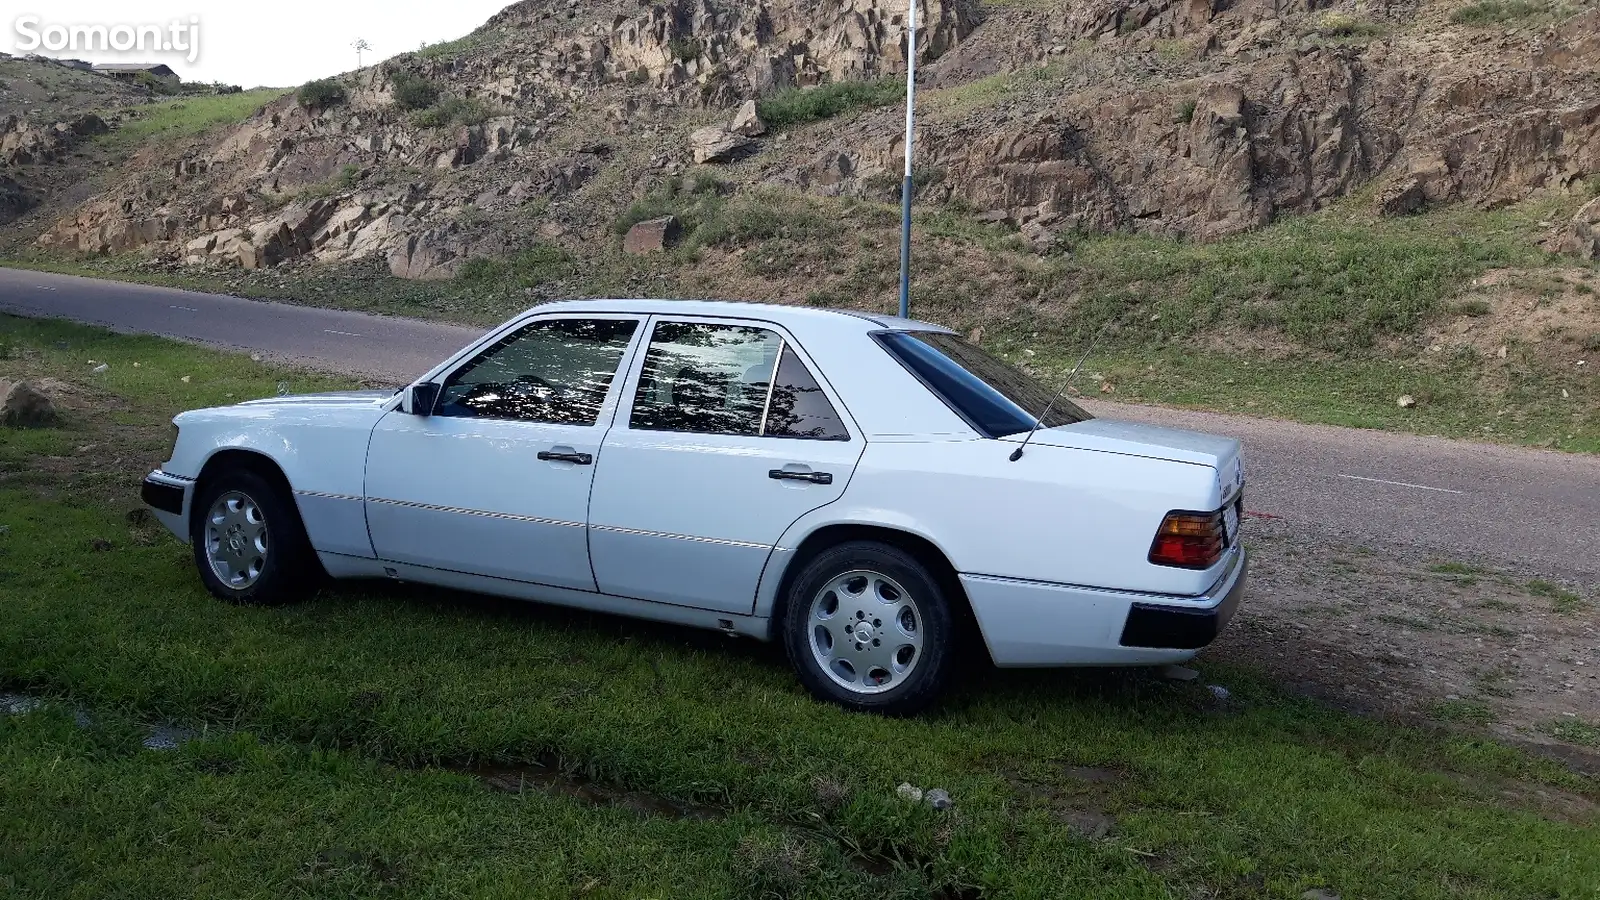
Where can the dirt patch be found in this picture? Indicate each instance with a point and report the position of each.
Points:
(1551, 314)
(1396, 634)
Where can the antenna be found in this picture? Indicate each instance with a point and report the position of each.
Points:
(1017, 453)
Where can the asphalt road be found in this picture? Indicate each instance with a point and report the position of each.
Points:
(1453, 500)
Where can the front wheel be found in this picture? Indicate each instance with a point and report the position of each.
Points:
(248, 541)
(867, 626)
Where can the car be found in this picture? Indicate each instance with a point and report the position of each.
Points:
(873, 492)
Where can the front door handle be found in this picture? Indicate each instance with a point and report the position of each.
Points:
(565, 454)
(813, 477)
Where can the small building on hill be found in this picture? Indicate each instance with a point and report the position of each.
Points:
(139, 72)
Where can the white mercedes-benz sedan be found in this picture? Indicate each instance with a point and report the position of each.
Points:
(848, 484)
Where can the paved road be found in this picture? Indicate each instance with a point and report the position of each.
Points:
(1451, 499)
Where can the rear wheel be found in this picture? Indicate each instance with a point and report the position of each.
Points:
(867, 627)
(248, 541)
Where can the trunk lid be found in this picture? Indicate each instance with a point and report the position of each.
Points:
(1152, 442)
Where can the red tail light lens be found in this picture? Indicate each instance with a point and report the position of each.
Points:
(1189, 540)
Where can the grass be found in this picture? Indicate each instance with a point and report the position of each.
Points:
(1575, 731)
(1562, 600)
(527, 268)
(797, 106)
(178, 119)
(1334, 280)
(1470, 712)
(336, 731)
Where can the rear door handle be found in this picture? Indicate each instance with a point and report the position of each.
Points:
(564, 454)
(813, 477)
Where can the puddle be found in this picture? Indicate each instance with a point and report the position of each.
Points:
(547, 780)
(164, 737)
(18, 704)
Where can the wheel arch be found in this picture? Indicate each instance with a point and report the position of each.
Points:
(923, 549)
(231, 458)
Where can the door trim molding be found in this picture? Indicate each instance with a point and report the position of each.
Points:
(617, 529)
(484, 513)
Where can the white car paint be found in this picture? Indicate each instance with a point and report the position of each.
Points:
(1050, 549)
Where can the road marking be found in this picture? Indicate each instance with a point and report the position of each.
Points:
(184, 308)
(1420, 487)
(345, 333)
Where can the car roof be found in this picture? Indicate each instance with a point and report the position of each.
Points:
(777, 312)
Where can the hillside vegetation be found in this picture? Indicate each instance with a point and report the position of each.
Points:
(1330, 190)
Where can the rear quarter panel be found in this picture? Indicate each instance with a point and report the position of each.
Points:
(1057, 515)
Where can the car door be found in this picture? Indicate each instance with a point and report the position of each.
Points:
(727, 438)
(496, 480)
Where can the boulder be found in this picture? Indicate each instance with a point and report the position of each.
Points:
(652, 235)
(747, 122)
(715, 144)
(1583, 234)
(25, 406)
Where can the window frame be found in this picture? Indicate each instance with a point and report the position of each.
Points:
(625, 405)
(608, 404)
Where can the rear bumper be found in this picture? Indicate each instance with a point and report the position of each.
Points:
(1029, 623)
(168, 497)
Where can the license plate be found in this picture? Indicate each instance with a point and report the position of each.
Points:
(1230, 521)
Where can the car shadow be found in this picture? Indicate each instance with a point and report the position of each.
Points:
(976, 681)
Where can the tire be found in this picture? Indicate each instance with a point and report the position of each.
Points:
(868, 586)
(248, 541)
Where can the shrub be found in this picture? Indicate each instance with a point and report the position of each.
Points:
(321, 94)
(1341, 24)
(1186, 110)
(453, 111)
(684, 50)
(1494, 12)
(413, 91)
(797, 106)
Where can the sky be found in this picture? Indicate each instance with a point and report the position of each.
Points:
(279, 44)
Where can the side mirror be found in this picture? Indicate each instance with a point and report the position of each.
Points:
(421, 397)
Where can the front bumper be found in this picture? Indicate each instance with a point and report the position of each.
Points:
(1029, 623)
(168, 497)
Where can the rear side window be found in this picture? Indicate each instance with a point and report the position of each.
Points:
(994, 396)
(798, 407)
(711, 378)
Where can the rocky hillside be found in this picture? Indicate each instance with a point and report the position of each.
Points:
(1178, 118)
(49, 113)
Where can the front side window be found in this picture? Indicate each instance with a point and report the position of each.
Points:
(730, 379)
(996, 397)
(555, 371)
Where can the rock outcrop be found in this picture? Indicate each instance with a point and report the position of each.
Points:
(1191, 118)
(651, 235)
(24, 406)
(1583, 233)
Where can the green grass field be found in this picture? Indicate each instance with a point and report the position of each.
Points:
(340, 737)
(185, 117)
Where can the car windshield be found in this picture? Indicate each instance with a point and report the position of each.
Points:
(996, 397)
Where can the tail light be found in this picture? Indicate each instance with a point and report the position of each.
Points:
(1189, 540)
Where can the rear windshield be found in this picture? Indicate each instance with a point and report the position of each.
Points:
(994, 396)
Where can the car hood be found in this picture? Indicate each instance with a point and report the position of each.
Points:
(328, 398)
(1139, 439)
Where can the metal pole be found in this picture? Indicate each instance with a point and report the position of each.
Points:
(905, 187)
